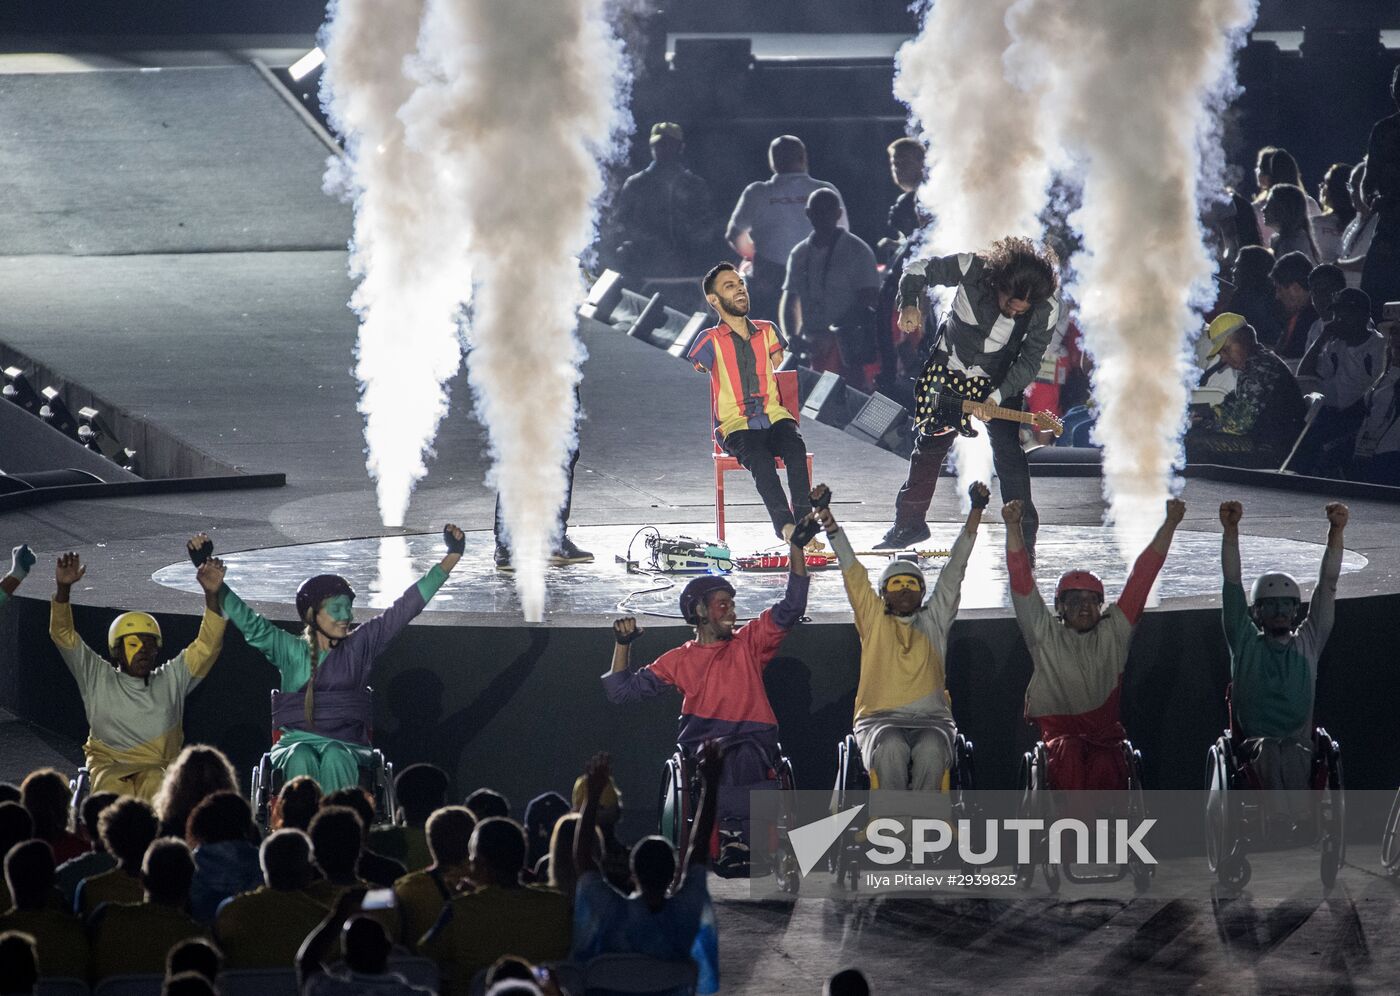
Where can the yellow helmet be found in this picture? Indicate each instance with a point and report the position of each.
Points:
(131, 624)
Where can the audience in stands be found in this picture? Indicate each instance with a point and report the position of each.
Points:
(1377, 457)
(421, 895)
(127, 828)
(59, 938)
(45, 794)
(135, 938)
(1290, 277)
(19, 964)
(847, 982)
(195, 956)
(616, 859)
(364, 948)
(1286, 212)
(558, 870)
(1254, 295)
(296, 804)
(1356, 240)
(196, 774)
(93, 862)
(501, 916)
(1346, 361)
(1380, 186)
(541, 815)
(421, 790)
(830, 290)
(264, 928)
(188, 984)
(1257, 423)
(1324, 282)
(221, 832)
(654, 920)
(770, 218)
(663, 221)
(1275, 166)
(486, 803)
(1338, 210)
(373, 868)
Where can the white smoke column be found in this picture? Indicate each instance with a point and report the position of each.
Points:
(1131, 94)
(987, 172)
(409, 259)
(518, 101)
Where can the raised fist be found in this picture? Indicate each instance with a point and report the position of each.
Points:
(1230, 513)
(1337, 515)
(455, 539)
(211, 574)
(979, 493)
(21, 559)
(1176, 510)
(1011, 513)
(598, 772)
(911, 319)
(200, 548)
(625, 630)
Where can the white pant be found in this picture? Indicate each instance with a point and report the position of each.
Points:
(913, 759)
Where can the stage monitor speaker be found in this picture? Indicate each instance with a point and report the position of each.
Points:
(686, 337)
(603, 298)
(651, 317)
(882, 421)
(826, 401)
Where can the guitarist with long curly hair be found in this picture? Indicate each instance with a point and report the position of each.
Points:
(989, 347)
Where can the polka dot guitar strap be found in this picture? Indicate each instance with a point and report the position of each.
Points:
(944, 398)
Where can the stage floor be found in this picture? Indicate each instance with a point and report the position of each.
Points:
(380, 568)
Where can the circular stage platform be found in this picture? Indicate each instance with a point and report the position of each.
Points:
(379, 568)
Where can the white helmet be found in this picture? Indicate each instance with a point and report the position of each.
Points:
(1275, 584)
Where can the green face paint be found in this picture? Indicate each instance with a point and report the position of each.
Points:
(339, 608)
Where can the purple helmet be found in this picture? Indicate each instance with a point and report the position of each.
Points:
(697, 591)
(314, 591)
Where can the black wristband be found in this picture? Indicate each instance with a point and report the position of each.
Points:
(201, 553)
(623, 641)
(454, 544)
(978, 501)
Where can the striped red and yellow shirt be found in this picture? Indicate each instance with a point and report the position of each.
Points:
(743, 390)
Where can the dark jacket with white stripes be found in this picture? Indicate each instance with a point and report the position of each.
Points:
(1008, 350)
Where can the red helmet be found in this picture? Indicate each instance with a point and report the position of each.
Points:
(1079, 581)
(314, 591)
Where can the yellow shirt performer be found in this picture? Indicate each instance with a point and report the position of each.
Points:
(135, 707)
(903, 720)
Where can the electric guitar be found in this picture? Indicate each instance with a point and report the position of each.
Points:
(944, 399)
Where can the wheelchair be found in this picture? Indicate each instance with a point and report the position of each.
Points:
(680, 793)
(1036, 803)
(376, 777)
(853, 776)
(1233, 824)
(1390, 840)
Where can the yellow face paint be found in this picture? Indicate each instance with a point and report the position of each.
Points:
(131, 646)
(903, 582)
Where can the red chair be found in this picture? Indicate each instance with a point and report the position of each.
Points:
(724, 463)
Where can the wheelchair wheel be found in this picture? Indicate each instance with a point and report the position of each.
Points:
(260, 791)
(1234, 872)
(80, 787)
(1332, 814)
(1220, 827)
(675, 803)
(850, 777)
(1140, 871)
(1035, 805)
(1390, 840)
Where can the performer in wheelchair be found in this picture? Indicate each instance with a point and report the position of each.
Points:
(135, 707)
(988, 350)
(903, 721)
(719, 673)
(1079, 653)
(322, 709)
(1273, 660)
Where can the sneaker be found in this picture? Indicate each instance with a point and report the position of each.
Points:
(900, 537)
(503, 558)
(568, 553)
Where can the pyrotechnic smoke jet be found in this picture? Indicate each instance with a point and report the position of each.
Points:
(986, 170)
(411, 264)
(480, 185)
(1130, 95)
